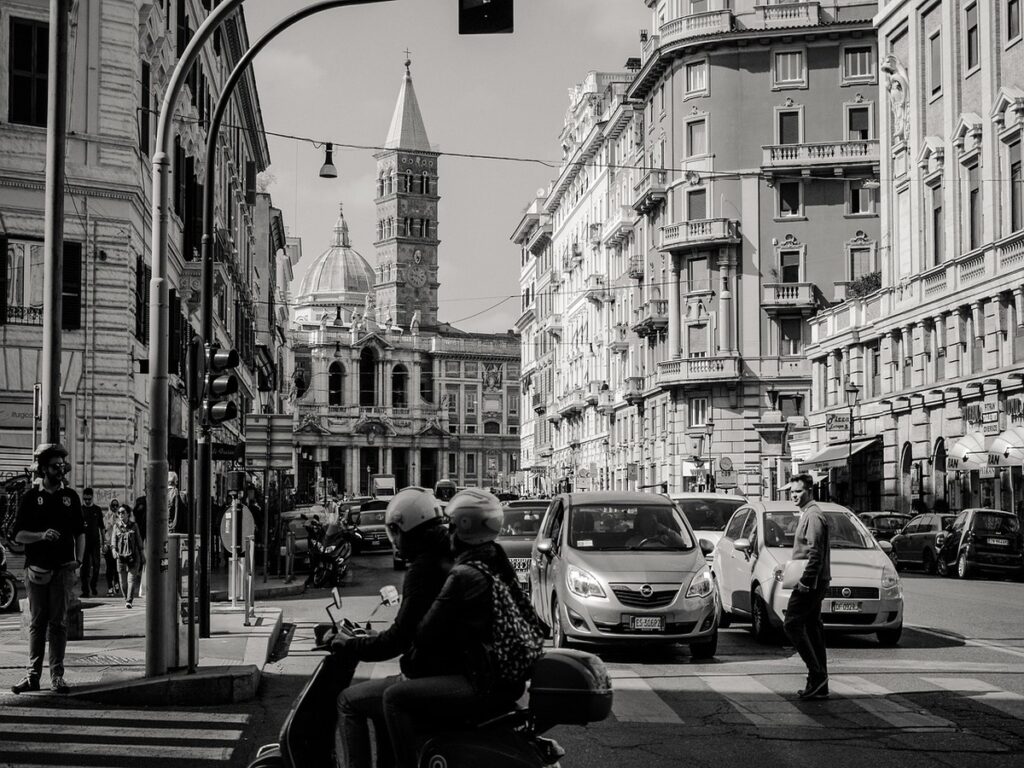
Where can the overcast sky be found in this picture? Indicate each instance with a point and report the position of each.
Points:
(336, 76)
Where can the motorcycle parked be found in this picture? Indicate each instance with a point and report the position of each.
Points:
(329, 552)
(8, 584)
(567, 687)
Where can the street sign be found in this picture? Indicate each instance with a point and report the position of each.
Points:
(246, 520)
(726, 478)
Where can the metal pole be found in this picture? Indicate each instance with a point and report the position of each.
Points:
(849, 463)
(266, 505)
(53, 245)
(190, 502)
(236, 532)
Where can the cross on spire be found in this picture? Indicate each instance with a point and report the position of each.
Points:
(408, 59)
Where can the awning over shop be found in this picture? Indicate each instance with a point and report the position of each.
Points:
(967, 453)
(837, 455)
(1009, 446)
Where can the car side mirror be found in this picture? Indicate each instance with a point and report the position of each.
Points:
(742, 545)
(885, 547)
(545, 547)
(706, 547)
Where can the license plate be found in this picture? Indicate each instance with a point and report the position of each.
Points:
(999, 542)
(843, 607)
(523, 576)
(647, 623)
(375, 542)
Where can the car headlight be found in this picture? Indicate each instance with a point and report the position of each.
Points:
(582, 583)
(702, 584)
(891, 586)
(777, 574)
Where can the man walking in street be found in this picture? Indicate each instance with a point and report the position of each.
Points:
(92, 515)
(51, 527)
(803, 623)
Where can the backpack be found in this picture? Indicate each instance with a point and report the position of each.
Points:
(124, 543)
(517, 634)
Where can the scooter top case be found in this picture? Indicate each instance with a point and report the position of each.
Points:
(569, 687)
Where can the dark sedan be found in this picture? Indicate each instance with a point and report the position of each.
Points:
(917, 545)
(518, 530)
(884, 525)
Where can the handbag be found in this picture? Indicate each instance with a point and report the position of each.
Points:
(792, 572)
(39, 576)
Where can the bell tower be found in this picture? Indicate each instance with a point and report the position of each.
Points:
(407, 201)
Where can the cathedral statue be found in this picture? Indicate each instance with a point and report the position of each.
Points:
(414, 324)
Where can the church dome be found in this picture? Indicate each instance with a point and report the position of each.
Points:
(339, 274)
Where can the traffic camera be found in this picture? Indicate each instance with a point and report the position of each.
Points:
(220, 383)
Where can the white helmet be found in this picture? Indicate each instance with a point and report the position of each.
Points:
(476, 516)
(411, 507)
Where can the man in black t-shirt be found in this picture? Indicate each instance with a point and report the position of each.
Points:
(50, 525)
(93, 517)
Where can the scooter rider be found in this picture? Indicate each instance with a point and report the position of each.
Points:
(414, 524)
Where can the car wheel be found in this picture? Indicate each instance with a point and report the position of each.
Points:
(8, 592)
(928, 561)
(705, 649)
(890, 638)
(941, 567)
(760, 624)
(558, 637)
(963, 568)
(321, 575)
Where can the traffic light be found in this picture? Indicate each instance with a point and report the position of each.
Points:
(220, 382)
(485, 17)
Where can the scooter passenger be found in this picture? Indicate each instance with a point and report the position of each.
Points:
(414, 524)
(462, 616)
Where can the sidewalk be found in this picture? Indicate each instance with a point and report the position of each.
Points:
(108, 664)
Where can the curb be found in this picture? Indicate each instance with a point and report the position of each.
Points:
(209, 686)
(263, 593)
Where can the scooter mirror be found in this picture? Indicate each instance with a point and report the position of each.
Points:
(337, 597)
(389, 595)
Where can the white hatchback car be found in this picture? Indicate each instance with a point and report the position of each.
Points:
(865, 595)
(708, 513)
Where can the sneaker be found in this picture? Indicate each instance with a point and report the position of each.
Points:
(813, 690)
(30, 683)
(57, 684)
(110, 592)
(128, 604)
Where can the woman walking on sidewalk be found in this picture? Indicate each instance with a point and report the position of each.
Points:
(128, 550)
(109, 521)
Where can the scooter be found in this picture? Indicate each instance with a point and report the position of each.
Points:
(8, 584)
(567, 687)
(330, 550)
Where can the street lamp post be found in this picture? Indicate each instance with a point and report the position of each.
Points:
(709, 430)
(607, 468)
(852, 393)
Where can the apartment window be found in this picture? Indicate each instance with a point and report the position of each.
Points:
(858, 123)
(938, 225)
(696, 77)
(974, 206)
(144, 105)
(860, 201)
(935, 63)
(28, 61)
(1016, 187)
(1012, 20)
(875, 360)
(453, 465)
(697, 204)
(698, 411)
(789, 127)
(471, 464)
(143, 274)
(697, 274)
(790, 199)
(451, 369)
(790, 337)
(698, 6)
(972, 38)
(471, 405)
(860, 262)
(789, 266)
(697, 340)
(696, 138)
(21, 283)
(789, 69)
(858, 63)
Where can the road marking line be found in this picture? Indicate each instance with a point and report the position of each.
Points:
(1007, 702)
(119, 731)
(968, 641)
(886, 705)
(636, 702)
(758, 703)
(171, 717)
(118, 751)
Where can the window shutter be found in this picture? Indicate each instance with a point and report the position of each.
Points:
(71, 294)
(3, 280)
(174, 331)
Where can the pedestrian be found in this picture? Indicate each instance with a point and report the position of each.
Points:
(803, 623)
(92, 515)
(109, 520)
(177, 516)
(139, 513)
(130, 553)
(50, 525)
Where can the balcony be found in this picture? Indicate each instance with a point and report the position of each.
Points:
(698, 371)
(540, 236)
(636, 267)
(14, 315)
(572, 404)
(528, 316)
(650, 316)
(539, 402)
(555, 276)
(619, 225)
(829, 154)
(789, 15)
(553, 324)
(619, 339)
(650, 191)
(575, 255)
(696, 25)
(779, 297)
(545, 451)
(634, 390)
(605, 401)
(699, 233)
(595, 288)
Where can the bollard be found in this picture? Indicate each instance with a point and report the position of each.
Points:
(248, 580)
(175, 641)
(289, 556)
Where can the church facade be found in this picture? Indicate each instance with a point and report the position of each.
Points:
(380, 384)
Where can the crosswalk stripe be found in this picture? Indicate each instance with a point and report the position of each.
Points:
(1008, 702)
(173, 718)
(635, 701)
(758, 703)
(885, 705)
(123, 732)
(71, 749)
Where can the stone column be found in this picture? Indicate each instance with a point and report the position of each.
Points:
(939, 346)
(726, 333)
(354, 471)
(674, 318)
(417, 468)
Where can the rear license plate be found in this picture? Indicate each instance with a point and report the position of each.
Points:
(647, 623)
(523, 576)
(844, 607)
(999, 542)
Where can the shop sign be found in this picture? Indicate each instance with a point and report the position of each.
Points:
(952, 464)
(987, 473)
(990, 418)
(725, 478)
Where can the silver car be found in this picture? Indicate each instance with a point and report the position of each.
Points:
(622, 567)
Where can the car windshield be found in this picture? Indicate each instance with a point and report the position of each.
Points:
(521, 522)
(887, 523)
(845, 531)
(989, 522)
(609, 527)
(371, 518)
(708, 514)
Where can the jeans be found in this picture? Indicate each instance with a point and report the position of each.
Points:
(48, 611)
(804, 628)
(111, 561)
(129, 578)
(90, 568)
(357, 705)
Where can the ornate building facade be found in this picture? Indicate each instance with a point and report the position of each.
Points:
(380, 384)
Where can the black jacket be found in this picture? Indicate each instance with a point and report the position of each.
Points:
(423, 581)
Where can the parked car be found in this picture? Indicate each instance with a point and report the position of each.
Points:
(865, 595)
(707, 513)
(622, 567)
(518, 530)
(884, 525)
(918, 543)
(982, 540)
(369, 521)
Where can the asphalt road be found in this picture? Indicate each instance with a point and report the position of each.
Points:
(951, 694)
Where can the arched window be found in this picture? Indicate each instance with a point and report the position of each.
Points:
(425, 183)
(388, 183)
(380, 185)
(335, 384)
(492, 428)
(367, 377)
(400, 386)
(408, 181)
